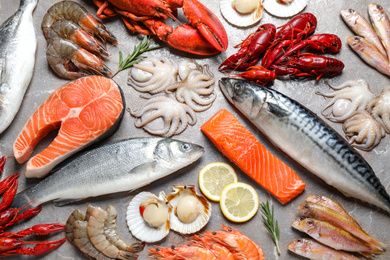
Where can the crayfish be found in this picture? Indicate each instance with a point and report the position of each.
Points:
(10, 243)
(281, 52)
(204, 36)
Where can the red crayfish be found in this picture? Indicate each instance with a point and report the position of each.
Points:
(10, 243)
(204, 36)
(282, 52)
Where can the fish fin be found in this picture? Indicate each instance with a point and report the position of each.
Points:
(66, 202)
(144, 168)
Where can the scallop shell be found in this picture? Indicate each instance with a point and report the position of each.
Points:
(284, 10)
(204, 206)
(241, 20)
(138, 227)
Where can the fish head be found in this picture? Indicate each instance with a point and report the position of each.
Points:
(356, 43)
(304, 224)
(315, 198)
(376, 11)
(307, 208)
(300, 246)
(349, 15)
(177, 154)
(247, 97)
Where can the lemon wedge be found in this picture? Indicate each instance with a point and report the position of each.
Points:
(239, 202)
(214, 177)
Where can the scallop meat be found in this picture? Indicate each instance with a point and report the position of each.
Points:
(242, 13)
(191, 211)
(148, 216)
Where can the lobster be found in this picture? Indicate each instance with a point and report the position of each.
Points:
(295, 30)
(309, 64)
(250, 49)
(257, 74)
(319, 42)
(11, 243)
(204, 36)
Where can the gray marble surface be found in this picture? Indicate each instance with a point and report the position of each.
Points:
(44, 82)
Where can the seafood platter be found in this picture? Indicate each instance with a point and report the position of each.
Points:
(195, 129)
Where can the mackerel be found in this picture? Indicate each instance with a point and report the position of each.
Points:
(18, 44)
(115, 167)
(307, 139)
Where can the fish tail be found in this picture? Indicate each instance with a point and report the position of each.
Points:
(378, 245)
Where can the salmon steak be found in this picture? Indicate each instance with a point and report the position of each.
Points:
(84, 110)
(242, 148)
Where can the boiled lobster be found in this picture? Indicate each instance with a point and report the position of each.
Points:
(204, 36)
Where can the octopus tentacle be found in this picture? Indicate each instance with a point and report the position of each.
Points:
(363, 131)
(346, 99)
(379, 107)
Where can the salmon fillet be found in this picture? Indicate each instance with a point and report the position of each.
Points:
(243, 149)
(84, 110)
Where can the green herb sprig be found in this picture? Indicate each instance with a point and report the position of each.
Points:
(270, 223)
(135, 57)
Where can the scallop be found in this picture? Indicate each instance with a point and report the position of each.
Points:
(191, 211)
(242, 13)
(284, 10)
(148, 216)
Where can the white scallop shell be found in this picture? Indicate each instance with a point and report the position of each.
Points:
(282, 10)
(138, 227)
(204, 207)
(241, 20)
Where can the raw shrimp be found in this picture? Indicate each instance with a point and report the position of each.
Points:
(69, 30)
(95, 230)
(112, 236)
(71, 61)
(69, 10)
(81, 240)
(76, 215)
(237, 243)
(182, 252)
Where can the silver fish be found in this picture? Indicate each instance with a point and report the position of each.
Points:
(18, 44)
(115, 167)
(307, 139)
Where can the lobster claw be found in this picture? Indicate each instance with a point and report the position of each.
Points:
(207, 23)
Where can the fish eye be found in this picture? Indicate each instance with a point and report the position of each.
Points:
(310, 223)
(306, 206)
(238, 87)
(299, 241)
(380, 8)
(350, 11)
(185, 147)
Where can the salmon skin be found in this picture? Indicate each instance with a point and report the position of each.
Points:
(85, 111)
(243, 149)
(114, 167)
(307, 139)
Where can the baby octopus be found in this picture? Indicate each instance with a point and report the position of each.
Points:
(153, 75)
(196, 87)
(379, 108)
(363, 131)
(173, 115)
(346, 99)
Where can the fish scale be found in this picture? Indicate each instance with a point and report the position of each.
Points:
(289, 125)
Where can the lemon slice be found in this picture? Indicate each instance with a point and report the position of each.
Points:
(239, 202)
(214, 177)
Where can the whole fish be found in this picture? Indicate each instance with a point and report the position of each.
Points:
(311, 249)
(320, 212)
(328, 202)
(18, 44)
(115, 167)
(359, 25)
(307, 139)
(369, 53)
(381, 24)
(334, 237)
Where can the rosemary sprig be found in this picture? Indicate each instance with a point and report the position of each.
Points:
(135, 57)
(270, 223)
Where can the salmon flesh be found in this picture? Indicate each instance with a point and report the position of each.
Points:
(85, 111)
